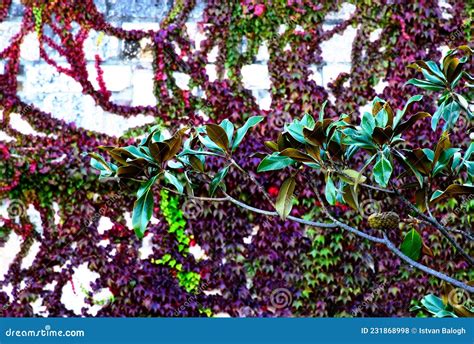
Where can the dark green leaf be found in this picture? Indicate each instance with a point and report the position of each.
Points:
(217, 180)
(410, 122)
(412, 244)
(229, 128)
(274, 162)
(382, 171)
(296, 155)
(331, 191)
(452, 190)
(171, 179)
(251, 122)
(426, 85)
(143, 207)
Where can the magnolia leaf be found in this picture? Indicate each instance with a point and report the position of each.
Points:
(271, 145)
(284, 201)
(413, 168)
(382, 171)
(129, 171)
(321, 112)
(173, 146)
(382, 135)
(435, 305)
(242, 131)
(143, 207)
(296, 155)
(229, 128)
(412, 244)
(352, 176)
(106, 169)
(196, 163)
(217, 180)
(331, 191)
(426, 85)
(350, 196)
(274, 162)
(408, 124)
(437, 115)
(452, 190)
(171, 179)
(443, 144)
(407, 107)
(218, 135)
(368, 123)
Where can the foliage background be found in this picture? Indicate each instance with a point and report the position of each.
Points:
(327, 272)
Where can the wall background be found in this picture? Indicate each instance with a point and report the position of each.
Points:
(128, 69)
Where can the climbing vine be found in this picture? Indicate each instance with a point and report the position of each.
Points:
(251, 256)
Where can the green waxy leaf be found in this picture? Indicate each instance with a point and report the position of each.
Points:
(284, 201)
(239, 136)
(171, 179)
(229, 128)
(143, 207)
(274, 162)
(426, 85)
(331, 191)
(382, 171)
(368, 123)
(412, 244)
(217, 180)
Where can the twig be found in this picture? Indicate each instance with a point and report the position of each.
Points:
(337, 223)
(255, 181)
(437, 225)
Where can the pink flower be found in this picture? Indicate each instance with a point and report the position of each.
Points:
(259, 10)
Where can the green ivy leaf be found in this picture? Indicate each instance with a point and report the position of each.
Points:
(284, 201)
(412, 244)
(242, 131)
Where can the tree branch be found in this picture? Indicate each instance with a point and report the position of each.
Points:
(437, 225)
(344, 226)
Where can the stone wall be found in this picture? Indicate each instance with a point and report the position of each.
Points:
(127, 66)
